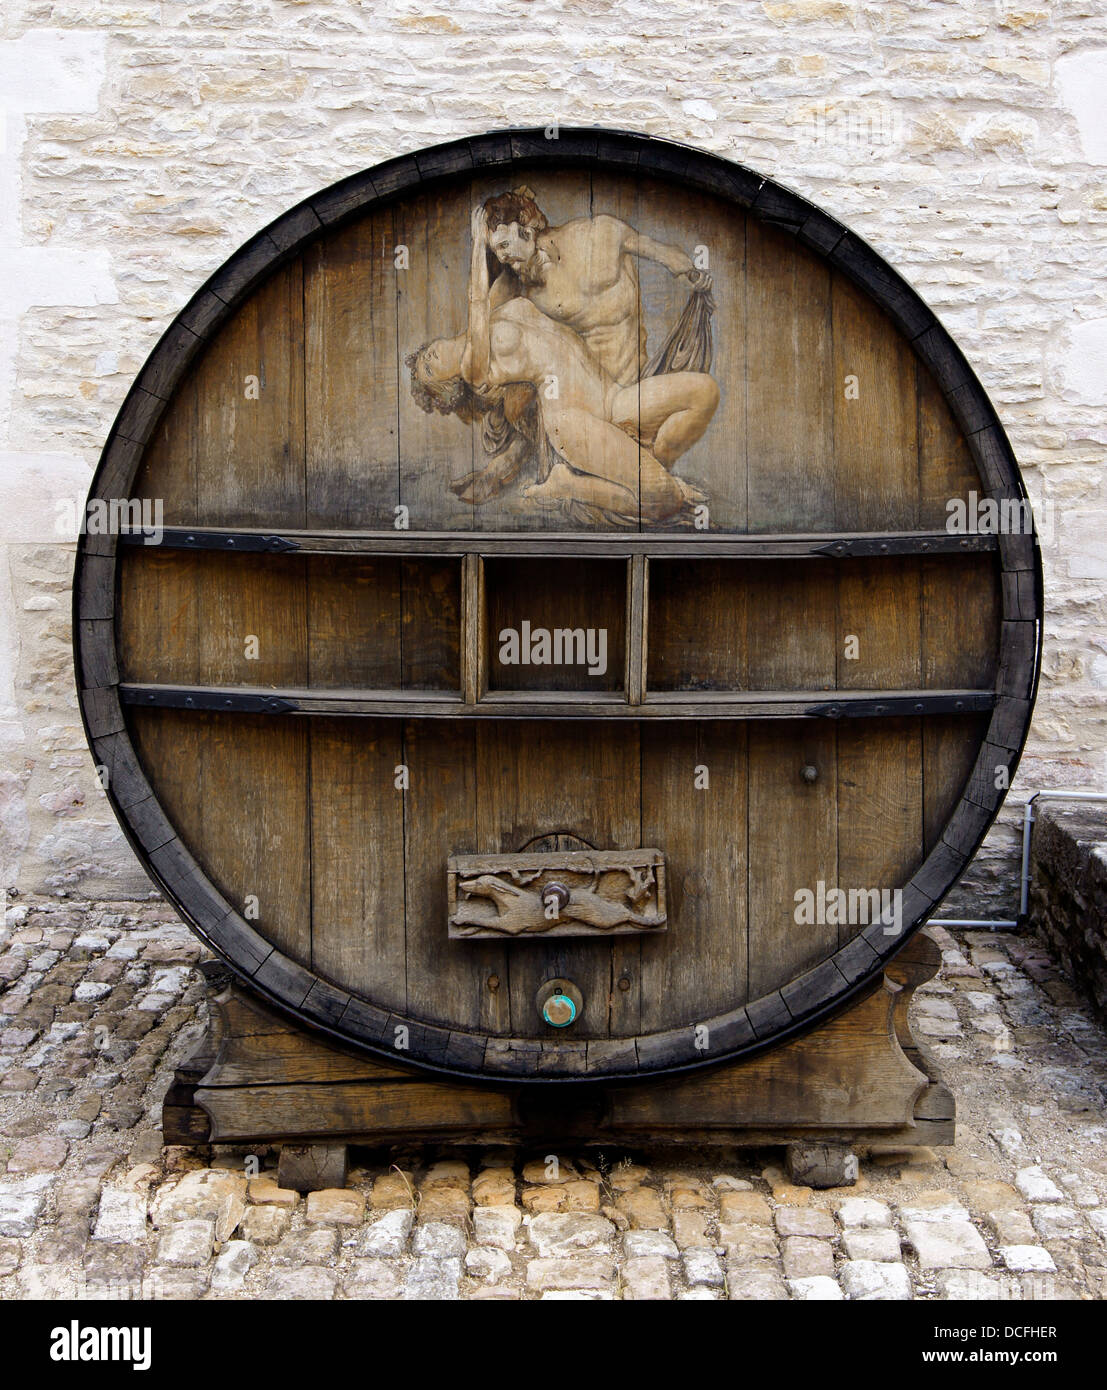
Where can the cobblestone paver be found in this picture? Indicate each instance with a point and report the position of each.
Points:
(99, 1004)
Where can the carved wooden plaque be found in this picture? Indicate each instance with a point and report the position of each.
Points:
(573, 893)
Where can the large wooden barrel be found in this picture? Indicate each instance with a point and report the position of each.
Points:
(606, 690)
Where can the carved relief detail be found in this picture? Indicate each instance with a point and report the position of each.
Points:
(572, 893)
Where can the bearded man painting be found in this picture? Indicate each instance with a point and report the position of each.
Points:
(552, 365)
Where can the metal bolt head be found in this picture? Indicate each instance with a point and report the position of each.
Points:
(558, 892)
(809, 773)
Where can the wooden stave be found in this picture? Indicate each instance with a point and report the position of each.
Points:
(307, 996)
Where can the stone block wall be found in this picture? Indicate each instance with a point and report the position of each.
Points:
(1068, 892)
(144, 140)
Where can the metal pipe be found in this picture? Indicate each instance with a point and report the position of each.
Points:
(1003, 924)
(1024, 873)
(992, 923)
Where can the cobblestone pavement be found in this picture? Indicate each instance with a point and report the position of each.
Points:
(99, 1004)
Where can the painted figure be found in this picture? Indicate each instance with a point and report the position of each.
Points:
(583, 274)
(614, 443)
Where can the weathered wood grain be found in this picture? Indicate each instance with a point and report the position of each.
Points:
(235, 789)
(790, 445)
(960, 638)
(879, 624)
(357, 853)
(474, 630)
(880, 811)
(352, 382)
(694, 790)
(590, 594)
(637, 628)
(697, 633)
(790, 629)
(793, 846)
(261, 481)
(946, 468)
(875, 434)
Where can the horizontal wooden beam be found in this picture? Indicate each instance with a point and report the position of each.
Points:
(837, 704)
(518, 704)
(658, 544)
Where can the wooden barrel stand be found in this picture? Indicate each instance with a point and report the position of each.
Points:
(860, 1079)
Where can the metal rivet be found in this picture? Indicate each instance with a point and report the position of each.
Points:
(809, 773)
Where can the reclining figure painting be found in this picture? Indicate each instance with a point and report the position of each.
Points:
(553, 365)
